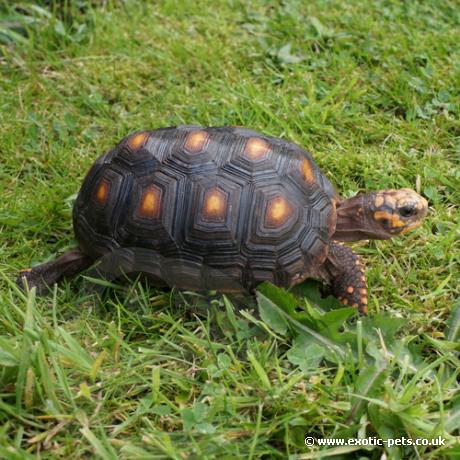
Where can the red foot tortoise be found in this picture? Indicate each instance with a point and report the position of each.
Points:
(224, 208)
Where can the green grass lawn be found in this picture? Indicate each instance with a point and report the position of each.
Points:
(372, 89)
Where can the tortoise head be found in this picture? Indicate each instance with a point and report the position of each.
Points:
(379, 215)
(394, 212)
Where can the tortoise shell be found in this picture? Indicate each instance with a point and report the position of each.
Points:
(207, 208)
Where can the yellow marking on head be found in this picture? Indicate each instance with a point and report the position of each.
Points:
(215, 204)
(379, 200)
(26, 270)
(150, 204)
(350, 289)
(137, 140)
(256, 149)
(390, 201)
(308, 173)
(102, 191)
(393, 219)
(196, 140)
(278, 211)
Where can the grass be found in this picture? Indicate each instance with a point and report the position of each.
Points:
(372, 89)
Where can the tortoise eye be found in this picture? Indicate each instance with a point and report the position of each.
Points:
(407, 211)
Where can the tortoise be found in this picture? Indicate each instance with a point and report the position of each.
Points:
(224, 208)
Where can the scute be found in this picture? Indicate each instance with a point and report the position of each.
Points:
(207, 208)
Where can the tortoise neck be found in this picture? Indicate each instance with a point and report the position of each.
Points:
(353, 223)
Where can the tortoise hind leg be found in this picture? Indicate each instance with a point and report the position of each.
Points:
(345, 274)
(45, 275)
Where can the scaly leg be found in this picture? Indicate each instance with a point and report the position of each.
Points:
(345, 273)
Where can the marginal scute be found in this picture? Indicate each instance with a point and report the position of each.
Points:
(150, 204)
(256, 149)
(196, 141)
(214, 205)
(137, 140)
(278, 211)
(102, 191)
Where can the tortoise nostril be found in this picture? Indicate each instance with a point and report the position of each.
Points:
(407, 210)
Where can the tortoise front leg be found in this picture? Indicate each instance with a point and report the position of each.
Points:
(345, 273)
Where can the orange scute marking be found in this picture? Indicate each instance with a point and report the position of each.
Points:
(307, 171)
(278, 211)
(102, 191)
(256, 149)
(196, 140)
(150, 204)
(137, 140)
(215, 204)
